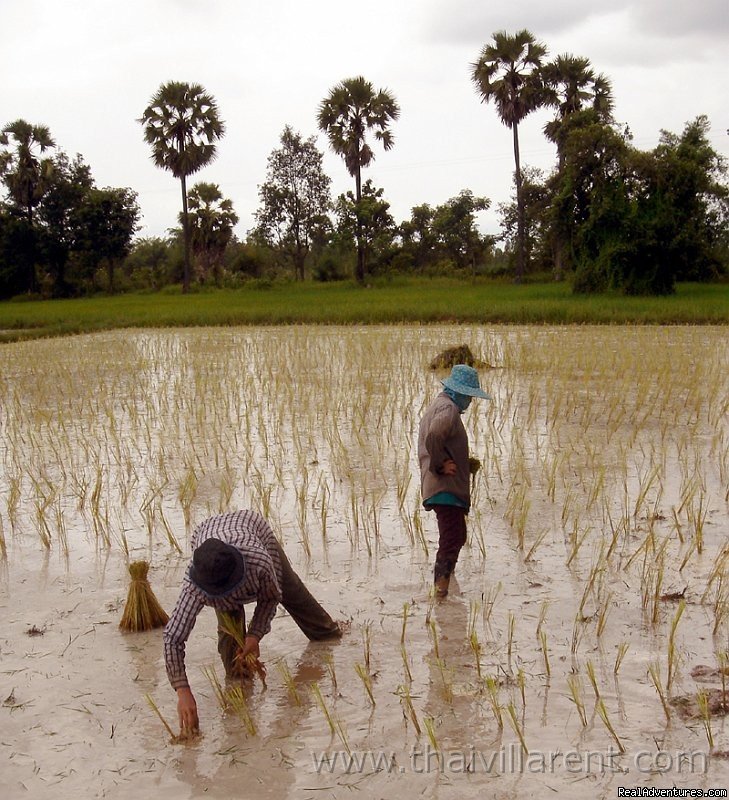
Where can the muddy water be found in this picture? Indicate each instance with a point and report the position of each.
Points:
(603, 495)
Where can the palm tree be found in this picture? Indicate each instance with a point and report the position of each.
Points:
(507, 72)
(571, 86)
(26, 174)
(181, 123)
(351, 109)
(212, 220)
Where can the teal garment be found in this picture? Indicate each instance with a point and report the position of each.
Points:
(445, 499)
(463, 401)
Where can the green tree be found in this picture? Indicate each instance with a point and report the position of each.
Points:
(570, 86)
(454, 226)
(211, 220)
(346, 115)
(182, 124)
(418, 238)
(26, 176)
(106, 222)
(508, 73)
(295, 200)
(148, 264)
(59, 220)
(537, 197)
(367, 223)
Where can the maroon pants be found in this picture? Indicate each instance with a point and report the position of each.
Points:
(451, 538)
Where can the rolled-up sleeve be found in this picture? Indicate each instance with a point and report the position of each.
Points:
(176, 633)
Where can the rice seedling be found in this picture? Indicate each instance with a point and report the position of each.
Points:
(702, 699)
(603, 613)
(545, 653)
(654, 670)
(251, 665)
(323, 707)
(155, 708)
(445, 678)
(367, 644)
(366, 679)
(535, 544)
(723, 657)
(510, 623)
(171, 538)
(142, 611)
(602, 712)
(489, 599)
(521, 683)
(335, 725)
(218, 691)
(237, 701)
(406, 701)
(593, 679)
(516, 725)
(3, 544)
(622, 650)
(574, 684)
(289, 682)
(672, 654)
(329, 664)
(430, 730)
(492, 694)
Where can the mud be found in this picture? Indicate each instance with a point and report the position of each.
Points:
(603, 447)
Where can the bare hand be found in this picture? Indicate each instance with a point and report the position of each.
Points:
(449, 467)
(187, 712)
(248, 660)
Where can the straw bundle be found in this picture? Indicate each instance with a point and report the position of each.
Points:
(142, 611)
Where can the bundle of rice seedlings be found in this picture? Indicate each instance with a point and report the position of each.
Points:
(142, 611)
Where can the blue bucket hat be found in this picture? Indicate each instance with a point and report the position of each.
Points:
(464, 380)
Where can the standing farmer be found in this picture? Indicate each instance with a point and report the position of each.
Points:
(444, 467)
(236, 559)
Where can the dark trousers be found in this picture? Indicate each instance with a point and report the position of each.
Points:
(451, 538)
(298, 601)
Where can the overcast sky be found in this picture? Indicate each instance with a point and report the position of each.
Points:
(88, 68)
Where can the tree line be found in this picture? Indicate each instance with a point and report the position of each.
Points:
(608, 216)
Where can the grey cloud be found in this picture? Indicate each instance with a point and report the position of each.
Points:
(466, 22)
(682, 17)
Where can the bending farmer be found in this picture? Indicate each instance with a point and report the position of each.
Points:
(236, 560)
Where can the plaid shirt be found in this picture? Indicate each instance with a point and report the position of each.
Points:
(252, 535)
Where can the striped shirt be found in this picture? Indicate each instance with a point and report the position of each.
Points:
(252, 535)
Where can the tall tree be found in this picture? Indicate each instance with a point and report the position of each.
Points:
(346, 115)
(295, 199)
(367, 222)
(508, 73)
(58, 218)
(106, 220)
(26, 174)
(212, 220)
(182, 124)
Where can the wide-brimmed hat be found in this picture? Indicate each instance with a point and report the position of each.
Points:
(464, 380)
(217, 567)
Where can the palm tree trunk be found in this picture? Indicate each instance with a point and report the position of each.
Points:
(360, 273)
(520, 216)
(186, 238)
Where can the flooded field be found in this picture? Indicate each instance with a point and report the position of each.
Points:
(584, 645)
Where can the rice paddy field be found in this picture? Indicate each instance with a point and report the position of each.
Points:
(584, 646)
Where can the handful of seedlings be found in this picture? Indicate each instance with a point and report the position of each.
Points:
(142, 611)
(474, 465)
